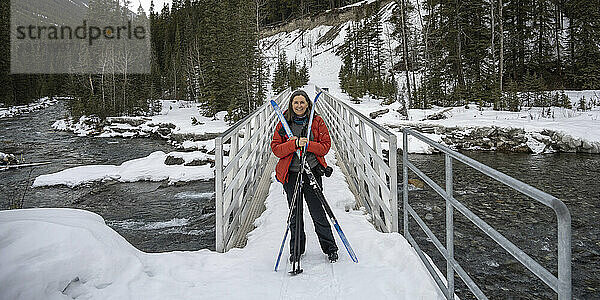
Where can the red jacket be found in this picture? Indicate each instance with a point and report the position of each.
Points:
(284, 148)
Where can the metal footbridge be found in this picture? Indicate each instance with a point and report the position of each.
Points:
(367, 154)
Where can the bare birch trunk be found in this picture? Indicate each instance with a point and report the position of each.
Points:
(501, 71)
(405, 50)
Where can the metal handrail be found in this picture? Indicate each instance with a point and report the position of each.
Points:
(237, 175)
(371, 177)
(561, 285)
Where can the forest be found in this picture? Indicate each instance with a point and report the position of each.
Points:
(446, 53)
(502, 53)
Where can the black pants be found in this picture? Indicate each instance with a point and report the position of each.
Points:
(322, 227)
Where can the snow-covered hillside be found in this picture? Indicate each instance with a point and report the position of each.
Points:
(579, 130)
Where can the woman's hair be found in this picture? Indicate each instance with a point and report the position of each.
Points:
(289, 114)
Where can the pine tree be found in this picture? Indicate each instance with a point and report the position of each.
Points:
(281, 79)
(293, 80)
(584, 51)
(582, 104)
(303, 75)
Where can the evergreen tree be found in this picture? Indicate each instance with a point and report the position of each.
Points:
(582, 104)
(303, 75)
(584, 50)
(280, 79)
(363, 58)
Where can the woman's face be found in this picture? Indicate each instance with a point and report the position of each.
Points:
(299, 105)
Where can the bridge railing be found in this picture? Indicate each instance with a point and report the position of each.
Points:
(561, 285)
(242, 174)
(362, 146)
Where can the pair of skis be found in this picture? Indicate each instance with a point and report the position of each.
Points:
(299, 182)
(318, 191)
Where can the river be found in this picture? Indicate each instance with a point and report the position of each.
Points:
(572, 178)
(153, 216)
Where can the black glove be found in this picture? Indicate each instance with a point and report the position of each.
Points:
(319, 170)
(328, 171)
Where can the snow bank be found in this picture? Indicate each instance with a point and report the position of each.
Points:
(181, 118)
(60, 253)
(56, 253)
(18, 110)
(150, 168)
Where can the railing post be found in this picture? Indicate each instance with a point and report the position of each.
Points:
(220, 235)
(393, 163)
(564, 254)
(405, 180)
(449, 230)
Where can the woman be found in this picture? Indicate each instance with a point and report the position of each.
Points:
(288, 170)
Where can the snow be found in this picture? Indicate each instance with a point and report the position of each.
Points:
(59, 253)
(151, 168)
(207, 146)
(6, 112)
(585, 125)
(178, 113)
(364, 2)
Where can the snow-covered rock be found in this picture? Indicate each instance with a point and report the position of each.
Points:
(6, 159)
(178, 121)
(152, 168)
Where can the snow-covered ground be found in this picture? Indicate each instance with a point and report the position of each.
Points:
(178, 117)
(67, 253)
(18, 110)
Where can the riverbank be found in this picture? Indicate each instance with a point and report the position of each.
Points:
(534, 130)
(7, 112)
(178, 121)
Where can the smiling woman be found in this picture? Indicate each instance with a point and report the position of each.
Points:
(289, 171)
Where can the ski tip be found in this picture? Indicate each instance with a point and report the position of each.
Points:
(273, 102)
(317, 96)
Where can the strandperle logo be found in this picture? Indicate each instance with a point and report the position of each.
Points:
(78, 37)
(83, 32)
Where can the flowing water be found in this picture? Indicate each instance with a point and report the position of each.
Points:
(157, 217)
(153, 216)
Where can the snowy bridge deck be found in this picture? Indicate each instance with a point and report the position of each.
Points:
(388, 268)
